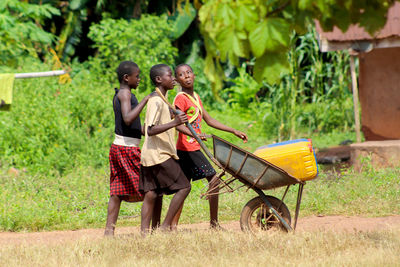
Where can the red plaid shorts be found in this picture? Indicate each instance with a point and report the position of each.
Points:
(124, 172)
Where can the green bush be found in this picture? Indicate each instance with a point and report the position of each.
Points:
(54, 127)
(145, 41)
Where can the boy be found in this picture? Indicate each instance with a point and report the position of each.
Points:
(124, 152)
(193, 162)
(160, 172)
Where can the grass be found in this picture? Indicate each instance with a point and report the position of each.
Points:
(79, 199)
(206, 248)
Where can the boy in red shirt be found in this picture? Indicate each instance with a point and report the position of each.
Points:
(193, 162)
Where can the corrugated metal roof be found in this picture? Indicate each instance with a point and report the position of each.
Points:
(356, 33)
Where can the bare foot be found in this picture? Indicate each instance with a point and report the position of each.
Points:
(165, 229)
(217, 227)
(109, 232)
(144, 233)
(174, 228)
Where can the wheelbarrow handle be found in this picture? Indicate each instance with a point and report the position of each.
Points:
(193, 132)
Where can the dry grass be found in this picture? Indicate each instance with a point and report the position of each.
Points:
(205, 248)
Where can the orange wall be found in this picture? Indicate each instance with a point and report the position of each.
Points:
(379, 91)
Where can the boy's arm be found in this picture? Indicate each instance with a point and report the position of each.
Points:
(185, 130)
(157, 129)
(180, 106)
(217, 125)
(182, 128)
(128, 114)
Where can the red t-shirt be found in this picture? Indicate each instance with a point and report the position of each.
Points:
(185, 142)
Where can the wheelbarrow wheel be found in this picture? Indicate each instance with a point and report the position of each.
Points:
(256, 216)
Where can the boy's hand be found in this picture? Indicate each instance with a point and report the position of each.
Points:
(241, 135)
(171, 113)
(154, 93)
(180, 118)
(203, 136)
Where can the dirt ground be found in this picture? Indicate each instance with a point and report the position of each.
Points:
(313, 223)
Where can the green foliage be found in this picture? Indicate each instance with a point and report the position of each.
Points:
(181, 20)
(72, 125)
(145, 41)
(202, 84)
(19, 32)
(244, 89)
(262, 30)
(74, 16)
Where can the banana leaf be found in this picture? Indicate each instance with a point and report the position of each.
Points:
(181, 20)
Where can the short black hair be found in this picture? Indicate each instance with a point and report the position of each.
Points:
(157, 70)
(181, 65)
(125, 67)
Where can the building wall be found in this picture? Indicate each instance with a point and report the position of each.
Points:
(379, 91)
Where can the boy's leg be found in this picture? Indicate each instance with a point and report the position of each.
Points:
(176, 203)
(156, 218)
(114, 205)
(213, 201)
(175, 220)
(147, 211)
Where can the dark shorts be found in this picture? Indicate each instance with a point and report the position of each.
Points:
(164, 178)
(195, 165)
(124, 172)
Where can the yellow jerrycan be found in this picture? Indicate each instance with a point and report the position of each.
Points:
(296, 157)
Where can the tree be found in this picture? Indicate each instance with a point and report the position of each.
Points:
(261, 30)
(72, 23)
(20, 30)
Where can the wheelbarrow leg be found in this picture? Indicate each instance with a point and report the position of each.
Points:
(264, 198)
(299, 195)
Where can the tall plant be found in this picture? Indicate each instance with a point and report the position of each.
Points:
(315, 94)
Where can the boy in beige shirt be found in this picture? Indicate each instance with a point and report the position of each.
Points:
(160, 172)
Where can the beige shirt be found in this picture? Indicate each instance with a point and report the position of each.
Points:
(161, 147)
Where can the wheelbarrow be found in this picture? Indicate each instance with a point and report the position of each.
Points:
(263, 212)
(260, 213)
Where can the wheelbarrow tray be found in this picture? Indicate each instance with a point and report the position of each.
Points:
(248, 168)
